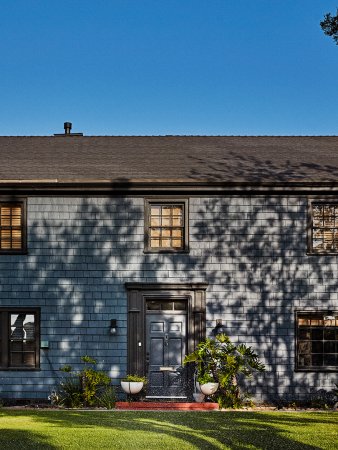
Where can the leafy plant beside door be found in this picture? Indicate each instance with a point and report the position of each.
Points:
(220, 361)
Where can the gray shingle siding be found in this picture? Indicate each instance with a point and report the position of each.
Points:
(251, 251)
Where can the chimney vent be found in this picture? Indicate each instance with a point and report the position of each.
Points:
(67, 126)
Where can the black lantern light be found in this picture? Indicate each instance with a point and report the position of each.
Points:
(113, 327)
(219, 328)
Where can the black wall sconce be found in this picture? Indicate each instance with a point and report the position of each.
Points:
(219, 328)
(113, 327)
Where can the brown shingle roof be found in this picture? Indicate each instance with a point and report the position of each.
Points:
(227, 159)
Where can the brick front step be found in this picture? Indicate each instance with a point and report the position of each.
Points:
(167, 406)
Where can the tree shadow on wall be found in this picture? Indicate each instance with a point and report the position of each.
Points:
(251, 251)
(262, 275)
(80, 254)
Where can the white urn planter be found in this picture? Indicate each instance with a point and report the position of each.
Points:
(132, 387)
(198, 397)
(209, 388)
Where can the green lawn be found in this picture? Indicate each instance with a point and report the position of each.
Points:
(50, 429)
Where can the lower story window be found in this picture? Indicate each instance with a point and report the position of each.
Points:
(19, 338)
(317, 341)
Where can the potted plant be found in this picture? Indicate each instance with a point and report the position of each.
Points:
(133, 384)
(220, 365)
(207, 384)
(197, 394)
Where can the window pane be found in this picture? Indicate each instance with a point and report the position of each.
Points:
(317, 347)
(154, 305)
(329, 347)
(317, 341)
(10, 227)
(166, 243)
(22, 340)
(155, 232)
(303, 321)
(155, 210)
(166, 223)
(317, 360)
(166, 210)
(178, 211)
(329, 333)
(304, 347)
(167, 306)
(305, 360)
(305, 333)
(180, 305)
(5, 244)
(331, 360)
(177, 221)
(155, 221)
(155, 243)
(317, 333)
(325, 228)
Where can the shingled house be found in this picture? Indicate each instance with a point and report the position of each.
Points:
(132, 249)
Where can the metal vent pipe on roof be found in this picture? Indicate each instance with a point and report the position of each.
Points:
(67, 126)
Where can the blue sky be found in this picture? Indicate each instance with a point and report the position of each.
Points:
(154, 67)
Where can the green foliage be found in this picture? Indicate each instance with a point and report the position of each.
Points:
(330, 26)
(88, 360)
(107, 398)
(81, 388)
(69, 393)
(135, 378)
(221, 361)
(91, 380)
(205, 378)
(335, 390)
(66, 369)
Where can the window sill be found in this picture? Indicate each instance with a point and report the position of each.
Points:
(319, 369)
(20, 369)
(168, 251)
(321, 254)
(18, 252)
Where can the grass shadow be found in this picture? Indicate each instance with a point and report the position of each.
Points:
(212, 430)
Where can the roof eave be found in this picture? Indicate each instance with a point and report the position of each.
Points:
(128, 187)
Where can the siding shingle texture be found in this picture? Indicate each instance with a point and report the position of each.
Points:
(251, 250)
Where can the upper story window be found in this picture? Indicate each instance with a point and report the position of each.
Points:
(324, 228)
(19, 338)
(317, 341)
(166, 226)
(12, 227)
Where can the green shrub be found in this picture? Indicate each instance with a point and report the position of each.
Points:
(92, 380)
(69, 393)
(107, 397)
(219, 360)
(81, 388)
